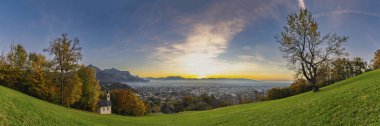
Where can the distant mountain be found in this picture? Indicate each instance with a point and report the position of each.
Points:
(115, 75)
(167, 78)
(182, 78)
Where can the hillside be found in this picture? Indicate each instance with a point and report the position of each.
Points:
(351, 102)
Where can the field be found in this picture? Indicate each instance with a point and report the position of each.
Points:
(355, 101)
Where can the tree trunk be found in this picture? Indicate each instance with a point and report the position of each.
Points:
(315, 87)
(62, 96)
(62, 86)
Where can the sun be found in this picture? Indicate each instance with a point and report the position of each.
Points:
(202, 67)
(203, 71)
(200, 76)
(200, 63)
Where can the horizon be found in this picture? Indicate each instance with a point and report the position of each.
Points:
(191, 39)
(191, 77)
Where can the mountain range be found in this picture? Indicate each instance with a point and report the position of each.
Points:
(114, 75)
(182, 78)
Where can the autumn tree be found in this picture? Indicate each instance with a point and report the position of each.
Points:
(16, 67)
(2, 67)
(67, 54)
(127, 102)
(299, 86)
(305, 47)
(376, 60)
(17, 57)
(90, 89)
(73, 89)
(40, 78)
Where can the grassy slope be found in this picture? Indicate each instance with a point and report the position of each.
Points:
(355, 101)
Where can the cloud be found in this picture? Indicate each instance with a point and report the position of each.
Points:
(209, 35)
(347, 12)
(198, 54)
(302, 5)
(372, 39)
(258, 54)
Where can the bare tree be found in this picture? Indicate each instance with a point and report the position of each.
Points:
(305, 48)
(67, 54)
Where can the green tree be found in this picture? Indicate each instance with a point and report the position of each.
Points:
(341, 69)
(67, 54)
(2, 68)
(277, 93)
(91, 88)
(258, 96)
(168, 107)
(359, 66)
(154, 105)
(304, 46)
(324, 74)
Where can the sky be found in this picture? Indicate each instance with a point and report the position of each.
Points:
(189, 38)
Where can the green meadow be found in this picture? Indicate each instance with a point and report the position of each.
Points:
(355, 101)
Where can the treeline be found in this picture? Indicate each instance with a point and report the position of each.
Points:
(61, 79)
(327, 73)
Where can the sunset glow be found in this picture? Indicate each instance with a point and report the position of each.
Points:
(207, 39)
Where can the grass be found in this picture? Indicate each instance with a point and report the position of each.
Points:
(355, 101)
